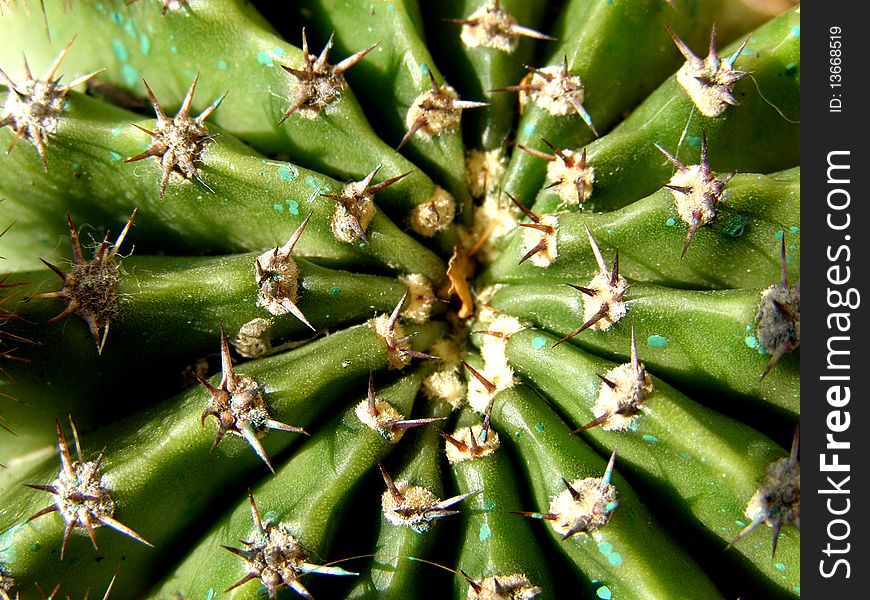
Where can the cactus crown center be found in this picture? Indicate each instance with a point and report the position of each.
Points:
(178, 142)
(503, 587)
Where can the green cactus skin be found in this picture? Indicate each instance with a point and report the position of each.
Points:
(256, 204)
(391, 575)
(163, 453)
(159, 297)
(676, 447)
(478, 70)
(631, 569)
(391, 79)
(755, 211)
(242, 56)
(495, 543)
(704, 341)
(761, 134)
(621, 47)
(307, 494)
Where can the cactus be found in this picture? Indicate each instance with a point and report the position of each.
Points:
(480, 299)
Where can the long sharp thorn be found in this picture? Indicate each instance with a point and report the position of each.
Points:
(746, 531)
(321, 60)
(52, 70)
(739, 51)
(161, 116)
(184, 111)
(42, 488)
(593, 423)
(65, 460)
(456, 499)
(255, 517)
(671, 158)
(410, 423)
(535, 515)
(690, 235)
(580, 527)
(226, 360)
(490, 387)
(394, 316)
(574, 493)
(204, 115)
(795, 445)
(86, 519)
(777, 528)
(385, 184)
(78, 257)
(536, 153)
(777, 354)
(67, 532)
(59, 273)
(461, 446)
(279, 426)
(120, 527)
(297, 587)
(679, 188)
(487, 417)
(370, 398)
(540, 246)
(243, 580)
(291, 243)
(251, 437)
(351, 60)
(391, 485)
(602, 266)
(84, 78)
(533, 216)
(415, 127)
(75, 433)
(538, 227)
(607, 382)
(584, 290)
(681, 45)
(602, 312)
(122, 235)
(44, 511)
(608, 471)
(530, 33)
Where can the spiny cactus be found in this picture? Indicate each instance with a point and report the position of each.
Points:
(482, 299)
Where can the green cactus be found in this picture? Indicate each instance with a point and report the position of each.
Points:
(303, 325)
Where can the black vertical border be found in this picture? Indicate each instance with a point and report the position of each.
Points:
(822, 132)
